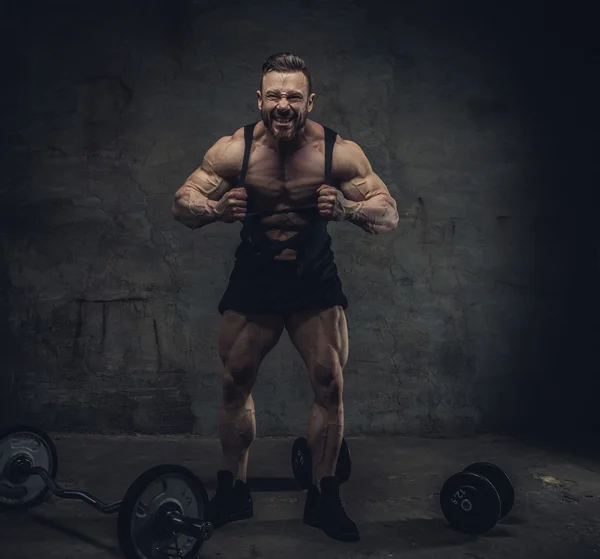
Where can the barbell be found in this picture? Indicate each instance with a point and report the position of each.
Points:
(161, 514)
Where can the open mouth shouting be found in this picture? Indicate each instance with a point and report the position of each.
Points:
(283, 120)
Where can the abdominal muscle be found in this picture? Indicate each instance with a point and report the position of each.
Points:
(282, 227)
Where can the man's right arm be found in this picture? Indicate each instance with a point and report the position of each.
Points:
(195, 203)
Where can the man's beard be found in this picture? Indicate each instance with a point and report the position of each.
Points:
(283, 133)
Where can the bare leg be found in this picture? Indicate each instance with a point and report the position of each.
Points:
(321, 338)
(244, 341)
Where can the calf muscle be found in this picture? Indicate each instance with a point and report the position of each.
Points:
(243, 344)
(321, 338)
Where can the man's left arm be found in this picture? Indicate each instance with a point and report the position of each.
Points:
(366, 199)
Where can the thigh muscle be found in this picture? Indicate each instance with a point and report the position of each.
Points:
(244, 341)
(321, 338)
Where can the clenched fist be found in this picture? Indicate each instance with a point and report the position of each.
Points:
(332, 203)
(232, 207)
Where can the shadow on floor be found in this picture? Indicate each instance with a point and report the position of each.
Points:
(76, 534)
(402, 534)
(269, 484)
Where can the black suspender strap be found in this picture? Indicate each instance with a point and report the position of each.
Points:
(248, 133)
(330, 137)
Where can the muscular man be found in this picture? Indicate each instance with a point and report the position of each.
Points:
(284, 178)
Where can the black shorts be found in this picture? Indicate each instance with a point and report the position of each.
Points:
(278, 288)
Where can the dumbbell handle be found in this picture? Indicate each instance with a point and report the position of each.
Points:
(194, 527)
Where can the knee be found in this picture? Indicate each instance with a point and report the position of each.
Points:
(237, 382)
(328, 385)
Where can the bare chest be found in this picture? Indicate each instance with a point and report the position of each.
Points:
(275, 182)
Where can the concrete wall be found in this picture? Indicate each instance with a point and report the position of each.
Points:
(457, 320)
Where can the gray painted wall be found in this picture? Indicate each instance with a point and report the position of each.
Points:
(457, 319)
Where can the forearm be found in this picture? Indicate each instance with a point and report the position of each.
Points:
(193, 209)
(378, 214)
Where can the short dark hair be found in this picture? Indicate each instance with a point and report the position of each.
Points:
(285, 62)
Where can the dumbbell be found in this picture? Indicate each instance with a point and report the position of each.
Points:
(476, 499)
(302, 463)
(162, 509)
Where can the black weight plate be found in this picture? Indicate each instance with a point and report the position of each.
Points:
(140, 535)
(39, 450)
(344, 463)
(470, 503)
(302, 463)
(499, 480)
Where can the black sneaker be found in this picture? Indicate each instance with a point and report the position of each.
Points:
(324, 510)
(231, 501)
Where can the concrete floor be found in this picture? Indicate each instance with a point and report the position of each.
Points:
(392, 496)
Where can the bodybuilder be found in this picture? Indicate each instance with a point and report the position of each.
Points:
(284, 178)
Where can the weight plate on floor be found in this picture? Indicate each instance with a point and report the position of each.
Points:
(344, 463)
(470, 503)
(21, 446)
(302, 463)
(499, 480)
(161, 488)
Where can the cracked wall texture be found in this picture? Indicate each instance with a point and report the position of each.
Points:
(457, 319)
